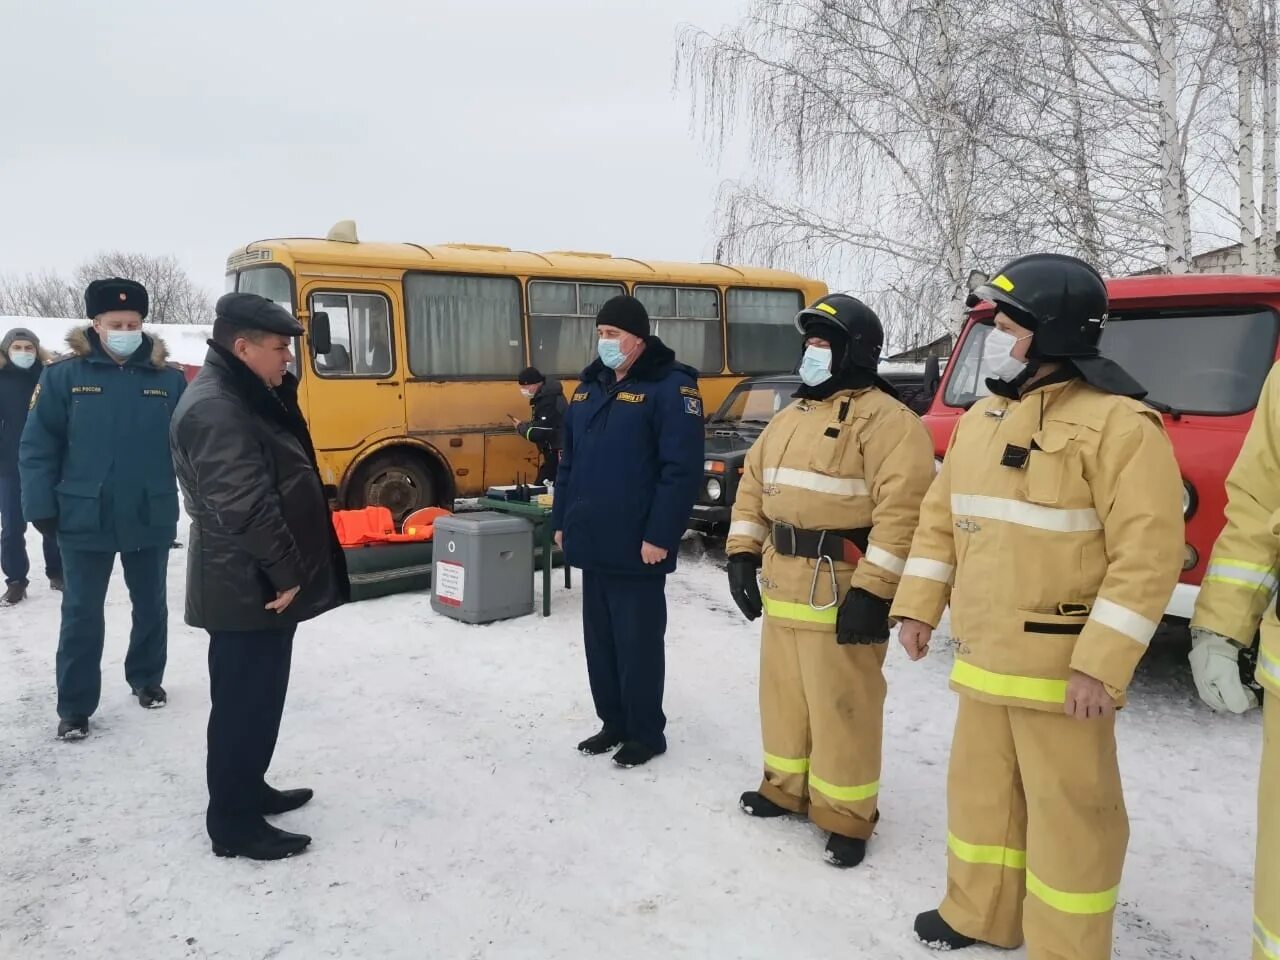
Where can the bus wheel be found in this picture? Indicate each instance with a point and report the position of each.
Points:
(400, 483)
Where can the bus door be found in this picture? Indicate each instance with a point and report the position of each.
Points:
(355, 392)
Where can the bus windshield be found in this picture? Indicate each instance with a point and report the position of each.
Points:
(270, 282)
(1192, 361)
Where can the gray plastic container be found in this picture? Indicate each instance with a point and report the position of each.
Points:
(482, 567)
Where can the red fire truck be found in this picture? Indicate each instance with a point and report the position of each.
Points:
(1202, 345)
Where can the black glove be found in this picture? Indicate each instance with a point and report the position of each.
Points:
(743, 585)
(863, 618)
(48, 526)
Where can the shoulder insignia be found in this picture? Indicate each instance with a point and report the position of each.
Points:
(691, 392)
(35, 395)
(693, 406)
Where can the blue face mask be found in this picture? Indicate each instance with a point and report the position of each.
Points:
(123, 343)
(611, 354)
(23, 360)
(816, 366)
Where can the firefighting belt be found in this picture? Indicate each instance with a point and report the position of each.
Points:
(846, 546)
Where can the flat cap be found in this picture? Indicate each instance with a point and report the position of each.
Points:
(248, 311)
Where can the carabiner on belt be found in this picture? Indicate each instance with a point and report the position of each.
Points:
(817, 569)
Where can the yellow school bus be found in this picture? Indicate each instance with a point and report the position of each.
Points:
(409, 405)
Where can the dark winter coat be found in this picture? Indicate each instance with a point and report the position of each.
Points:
(632, 463)
(260, 521)
(16, 387)
(95, 450)
(545, 426)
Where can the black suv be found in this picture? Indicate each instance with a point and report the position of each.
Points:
(745, 413)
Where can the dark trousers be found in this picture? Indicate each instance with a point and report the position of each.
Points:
(13, 537)
(550, 466)
(624, 622)
(248, 680)
(87, 573)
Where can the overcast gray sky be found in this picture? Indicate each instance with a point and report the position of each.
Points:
(191, 128)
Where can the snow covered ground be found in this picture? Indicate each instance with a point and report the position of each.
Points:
(454, 819)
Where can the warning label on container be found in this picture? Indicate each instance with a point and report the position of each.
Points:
(450, 579)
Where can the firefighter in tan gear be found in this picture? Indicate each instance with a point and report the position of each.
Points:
(1055, 530)
(829, 499)
(1237, 597)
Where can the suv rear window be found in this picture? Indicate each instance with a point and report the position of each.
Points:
(1194, 361)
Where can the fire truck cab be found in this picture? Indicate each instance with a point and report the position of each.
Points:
(1202, 346)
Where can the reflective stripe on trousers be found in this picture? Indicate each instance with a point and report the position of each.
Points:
(1008, 858)
(799, 765)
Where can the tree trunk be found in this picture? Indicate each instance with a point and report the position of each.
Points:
(1269, 261)
(1091, 240)
(1172, 181)
(1238, 14)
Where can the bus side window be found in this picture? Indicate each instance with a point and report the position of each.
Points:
(360, 330)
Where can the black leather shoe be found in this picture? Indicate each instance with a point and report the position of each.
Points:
(936, 934)
(282, 801)
(758, 805)
(266, 843)
(635, 754)
(602, 742)
(151, 698)
(73, 729)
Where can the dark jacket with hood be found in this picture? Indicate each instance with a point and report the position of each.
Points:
(94, 454)
(260, 521)
(632, 463)
(545, 426)
(16, 387)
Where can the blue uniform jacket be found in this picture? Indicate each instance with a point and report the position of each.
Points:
(95, 450)
(632, 463)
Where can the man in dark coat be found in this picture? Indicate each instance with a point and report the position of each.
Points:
(629, 474)
(21, 363)
(263, 558)
(545, 426)
(95, 467)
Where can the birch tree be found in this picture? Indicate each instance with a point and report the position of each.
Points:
(866, 122)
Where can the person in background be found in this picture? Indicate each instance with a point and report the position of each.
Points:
(829, 500)
(21, 363)
(95, 467)
(545, 426)
(264, 557)
(1237, 601)
(629, 474)
(1055, 532)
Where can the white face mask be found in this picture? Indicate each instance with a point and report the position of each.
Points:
(22, 359)
(997, 359)
(815, 368)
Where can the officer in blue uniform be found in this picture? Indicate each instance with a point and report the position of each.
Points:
(95, 467)
(628, 477)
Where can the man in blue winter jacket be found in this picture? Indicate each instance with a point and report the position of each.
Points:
(95, 467)
(629, 474)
